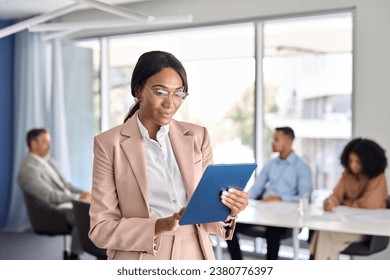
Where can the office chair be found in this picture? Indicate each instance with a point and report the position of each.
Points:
(47, 220)
(258, 231)
(82, 222)
(373, 244)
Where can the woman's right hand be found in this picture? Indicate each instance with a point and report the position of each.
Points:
(168, 224)
(329, 205)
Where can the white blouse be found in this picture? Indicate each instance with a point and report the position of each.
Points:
(167, 193)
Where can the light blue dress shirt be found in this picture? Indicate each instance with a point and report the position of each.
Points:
(287, 178)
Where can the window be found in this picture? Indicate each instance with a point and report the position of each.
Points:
(220, 65)
(304, 72)
(307, 74)
(82, 106)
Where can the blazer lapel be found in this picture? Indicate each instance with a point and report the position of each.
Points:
(183, 148)
(134, 149)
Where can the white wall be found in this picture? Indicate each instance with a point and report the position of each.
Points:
(372, 45)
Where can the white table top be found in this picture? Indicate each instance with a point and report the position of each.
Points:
(343, 219)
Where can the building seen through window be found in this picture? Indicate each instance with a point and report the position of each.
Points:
(305, 65)
(308, 86)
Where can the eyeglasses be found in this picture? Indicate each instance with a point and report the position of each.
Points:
(178, 96)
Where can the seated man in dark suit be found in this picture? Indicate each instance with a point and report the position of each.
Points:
(39, 176)
(284, 178)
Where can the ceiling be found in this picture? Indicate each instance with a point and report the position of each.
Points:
(42, 16)
(284, 37)
(21, 9)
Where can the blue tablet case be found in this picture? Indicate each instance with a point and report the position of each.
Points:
(205, 205)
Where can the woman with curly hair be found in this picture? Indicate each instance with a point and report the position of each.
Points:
(362, 185)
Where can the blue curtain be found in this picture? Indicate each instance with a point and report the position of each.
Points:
(38, 102)
(6, 124)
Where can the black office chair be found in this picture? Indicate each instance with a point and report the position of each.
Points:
(255, 231)
(47, 220)
(373, 244)
(82, 222)
(258, 231)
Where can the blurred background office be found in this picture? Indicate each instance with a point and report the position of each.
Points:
(320, 67)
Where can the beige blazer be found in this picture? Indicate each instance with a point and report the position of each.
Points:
(120, 220)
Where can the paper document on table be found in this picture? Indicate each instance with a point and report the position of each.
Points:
(377, 216)
(274, 206)
(326, 216)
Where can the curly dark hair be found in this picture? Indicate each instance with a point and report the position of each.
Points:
(372, 156)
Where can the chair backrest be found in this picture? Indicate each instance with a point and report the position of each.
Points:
(82, 222)
(373, 243)
(260, 231)
(44, 218)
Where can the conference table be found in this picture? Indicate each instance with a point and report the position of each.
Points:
(343, 219)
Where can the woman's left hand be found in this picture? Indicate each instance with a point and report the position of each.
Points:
(236, 200)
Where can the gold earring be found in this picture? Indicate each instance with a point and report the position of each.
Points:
(136, 100)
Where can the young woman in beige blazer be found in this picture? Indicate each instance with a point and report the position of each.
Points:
(138, 196)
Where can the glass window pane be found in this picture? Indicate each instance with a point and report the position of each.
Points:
(220, 65)
(82, 106)
(308, 86)
(94, 46)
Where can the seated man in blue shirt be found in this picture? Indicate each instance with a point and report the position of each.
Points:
(283, 178)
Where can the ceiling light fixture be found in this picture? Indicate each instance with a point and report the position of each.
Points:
(37, 20)
(132, 18)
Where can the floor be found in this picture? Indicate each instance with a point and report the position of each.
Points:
(31, 246)
(255, 249)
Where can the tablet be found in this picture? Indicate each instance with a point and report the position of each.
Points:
(205, 205)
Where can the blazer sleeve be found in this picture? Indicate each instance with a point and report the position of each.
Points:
(33, 181)
(109, 228)
(374, 194)
(67, 184)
